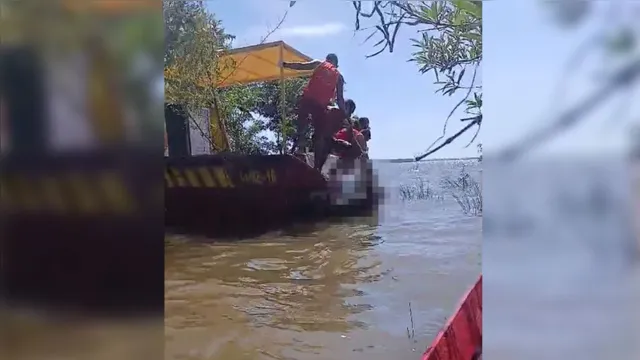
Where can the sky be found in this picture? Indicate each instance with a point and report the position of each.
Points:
(523, 59)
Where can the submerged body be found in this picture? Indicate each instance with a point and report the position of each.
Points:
(349, 181)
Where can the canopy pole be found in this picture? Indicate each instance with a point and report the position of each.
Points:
(221, 124)
(282, 103)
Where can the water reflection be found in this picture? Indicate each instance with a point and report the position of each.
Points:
(294, 286)
(29, 335)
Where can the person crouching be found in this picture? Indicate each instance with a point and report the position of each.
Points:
(350, 143)
(324, 133)
(346, 180)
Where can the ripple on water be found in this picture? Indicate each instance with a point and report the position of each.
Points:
(272, 264)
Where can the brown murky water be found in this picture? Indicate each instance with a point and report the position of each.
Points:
(326, 291)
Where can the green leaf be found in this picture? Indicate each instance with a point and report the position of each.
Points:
(459, 19)
(433, 12)
(470, 7)
(472, 36)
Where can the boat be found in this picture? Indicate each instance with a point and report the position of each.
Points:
(80, 207)
(78, 223)
(228, 194)
(235, 194)
(461, 336)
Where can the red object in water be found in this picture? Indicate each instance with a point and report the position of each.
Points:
(461, 337)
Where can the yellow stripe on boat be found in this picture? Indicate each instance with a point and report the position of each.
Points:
(64, 194)
(84, 196)
(52, 191)
(167, 178)
(178, 177)
(118, 198)
(224, 180)
(192, 179)
(206, 177)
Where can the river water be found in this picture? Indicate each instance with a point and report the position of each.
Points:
(369, 288)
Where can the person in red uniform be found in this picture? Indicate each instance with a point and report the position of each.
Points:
(351, 143)
(333, 121)
(326, 83)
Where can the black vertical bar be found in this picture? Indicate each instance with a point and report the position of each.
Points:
(22, 84)
(178, 137)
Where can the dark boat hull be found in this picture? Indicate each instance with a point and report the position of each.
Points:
(236, 195)
(78, 225)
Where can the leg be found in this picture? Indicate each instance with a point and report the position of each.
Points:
(299, 140)
(294, 145)
(321, 151)
(302, 123)
(322, 136)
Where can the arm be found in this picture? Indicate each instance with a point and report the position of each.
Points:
(361, 142)
(367, 134)
(340, 93)
(311, 65)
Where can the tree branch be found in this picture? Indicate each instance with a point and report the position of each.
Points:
(465, 98)
(476, 121)
(620, 81)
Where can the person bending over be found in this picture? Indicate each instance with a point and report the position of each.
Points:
(325, 83)
(335, 120)
(350, 143)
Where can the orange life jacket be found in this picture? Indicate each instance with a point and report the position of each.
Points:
(355, 150)
(344, 135)
(322, 85)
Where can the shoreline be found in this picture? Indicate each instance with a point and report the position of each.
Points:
(425, 160)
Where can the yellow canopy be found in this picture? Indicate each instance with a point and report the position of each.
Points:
(259, 63)
(240, 66)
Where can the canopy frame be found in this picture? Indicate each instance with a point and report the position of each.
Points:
(274, 71)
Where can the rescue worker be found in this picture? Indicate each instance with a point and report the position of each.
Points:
(326, 83)
(363, 126)
(347, 180)
(324, 132)
(351, 143)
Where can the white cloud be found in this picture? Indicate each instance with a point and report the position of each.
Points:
(312, 30)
